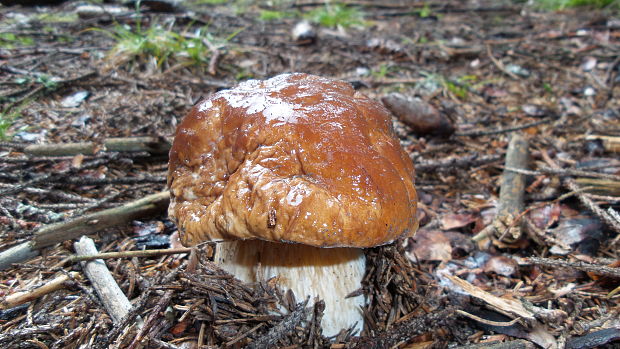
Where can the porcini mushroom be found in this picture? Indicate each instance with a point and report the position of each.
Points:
(296, 174)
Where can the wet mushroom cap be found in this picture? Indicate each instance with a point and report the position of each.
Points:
(296, 158)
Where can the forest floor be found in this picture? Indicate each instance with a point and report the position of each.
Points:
(535, 265)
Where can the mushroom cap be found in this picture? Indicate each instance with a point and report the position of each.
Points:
(296, 158)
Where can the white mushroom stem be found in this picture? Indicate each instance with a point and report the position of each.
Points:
(327, 273)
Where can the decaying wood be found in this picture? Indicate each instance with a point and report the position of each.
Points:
(151, 145)
(59, 232)
(22, 297)
(114, 300)
(507, 225)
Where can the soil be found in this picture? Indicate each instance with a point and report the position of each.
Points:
(512, 251)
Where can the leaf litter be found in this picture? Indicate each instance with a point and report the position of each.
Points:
(488, 69)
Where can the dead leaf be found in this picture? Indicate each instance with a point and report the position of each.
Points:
(429, 245)
(456, 220)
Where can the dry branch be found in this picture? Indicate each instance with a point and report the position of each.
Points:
(583, 266)
(465, 161)
(516, 344)
(22, 297)
(153, 145)
(114, 300)
(129, 254)
(59, 232)
(506, 225)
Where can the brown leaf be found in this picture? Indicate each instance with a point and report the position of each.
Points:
(456, 220)
(429, 245)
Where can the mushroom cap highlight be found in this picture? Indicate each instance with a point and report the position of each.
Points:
(296, 158)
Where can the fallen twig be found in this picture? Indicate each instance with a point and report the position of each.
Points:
(129, 254)
(579, 265)
(22, 297)
(515, 344)
(153, 145)
(564, 172)
(59, 175)
(114, 300)
(465, 161)
(58, 232)
(476, 133)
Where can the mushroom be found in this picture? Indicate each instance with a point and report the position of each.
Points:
(295, 175)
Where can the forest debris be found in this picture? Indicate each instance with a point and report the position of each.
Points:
(527, 314)
(579, 265)
(130, 254)
(477, 133)
(406, 330)
(515, 344)
(153, 145)
(75, 99)
(594, 339)
(21, 297)
(58, 232)
(610, 143)
(303, 33)
(114, 300)
(599, 186)
(282, 329)
(421, 116)
(570, 183)
(428, 245)
(507, 225)
(451, 162)
(501, 265)
(580, 233)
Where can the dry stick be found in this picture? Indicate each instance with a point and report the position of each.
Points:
(465, 161)
(477, 133)
(59, 232)
(565, 172)
(129, 254)
(583, 266)
(153, 145)
(22, 297)
(499, 64)
(50, 177)
(506, 224)
(515, 344)
(114, 300)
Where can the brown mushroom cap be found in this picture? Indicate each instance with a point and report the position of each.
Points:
(296, 158)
